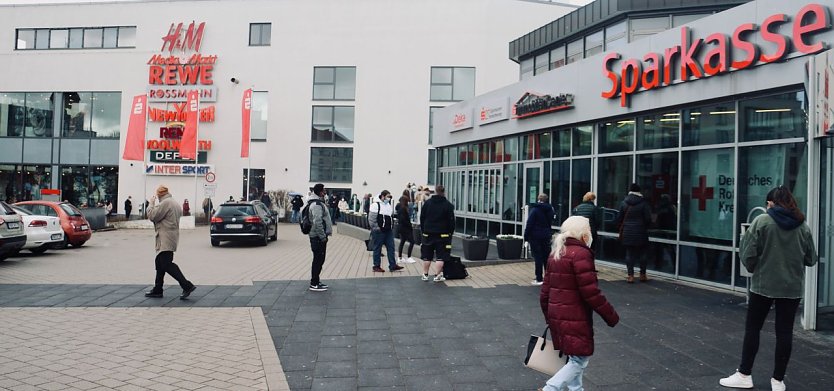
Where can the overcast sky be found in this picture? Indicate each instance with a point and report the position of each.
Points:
(576, 2)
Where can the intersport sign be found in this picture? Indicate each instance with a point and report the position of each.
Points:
(657, 70)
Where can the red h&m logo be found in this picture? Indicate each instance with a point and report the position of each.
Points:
(175, 40)
(702, 193)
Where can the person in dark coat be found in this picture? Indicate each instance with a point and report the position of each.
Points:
(590, 211)
(633, 220)
(406, 231)
(128, 207)
(297, 203)
(437, 220)
(568, 298)
(537, 233)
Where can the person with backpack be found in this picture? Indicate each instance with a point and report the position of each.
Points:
(437, 221)
(315, 220)
(381, 220)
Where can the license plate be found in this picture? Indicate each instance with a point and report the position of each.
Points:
(56, 236)
(85, 227)
(234, 226)
(13, 225)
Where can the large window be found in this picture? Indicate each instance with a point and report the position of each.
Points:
(452, 83)
(542, 63)
(583, 140)
(763, 167)
(657, 175)
(714, 124)
(85, 186)
(76, 38)
(560, 188)
(23, 182)
(260, 34)
(13, 114)
(259, 115)
(253, 186)
(773, 117)
(658, 131)
(431, 122)
(648, 26)
(562, 143)
(707, 196)
(432, 172)
(580, 180)
(616, 36)
(527, 71)
(331, 165)
(334, 83)
(557, 57)
(575, 51)
(332, 124)
(91, 114)
(616, 136)
(593, 43)
(613, 179)
(510, 183)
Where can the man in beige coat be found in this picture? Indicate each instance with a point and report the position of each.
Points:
(166, 222)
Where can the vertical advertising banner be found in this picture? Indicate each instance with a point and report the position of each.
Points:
(135, 143)
(188, 145)
(246, 113)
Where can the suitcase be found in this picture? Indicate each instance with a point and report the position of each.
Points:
(454, 269)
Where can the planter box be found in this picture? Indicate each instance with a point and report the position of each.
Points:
(509, 248)
(475, 249)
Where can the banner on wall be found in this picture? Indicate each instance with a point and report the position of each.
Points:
(135, 141)
(246, 114)
(188, 144)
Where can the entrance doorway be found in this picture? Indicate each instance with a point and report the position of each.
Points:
(532, 182)
(825, 282)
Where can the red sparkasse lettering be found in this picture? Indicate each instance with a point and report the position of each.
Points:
(782, 42)
(751, 50)
(615, 80)
(630, 77)
(652, 74)
(717, 58)
(689, 53)
(668, 61)
(811, 19)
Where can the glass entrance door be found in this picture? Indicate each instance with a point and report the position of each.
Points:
(825, 282)
(532, 182)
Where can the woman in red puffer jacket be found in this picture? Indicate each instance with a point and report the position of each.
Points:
(568, 297)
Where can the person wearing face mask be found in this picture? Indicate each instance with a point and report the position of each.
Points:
(537, 233)
(381, 220)
(569, 294)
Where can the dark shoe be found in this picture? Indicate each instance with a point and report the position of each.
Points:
(153, 293)
(186, 292)
(643, 277)
(318, 288)
(378, 269)
(630, 279)
(396, 268)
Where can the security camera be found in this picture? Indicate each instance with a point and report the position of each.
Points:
(235, 81)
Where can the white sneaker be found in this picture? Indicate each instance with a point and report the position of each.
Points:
(439, 278)
(737, 380)
(425, 277)
(410, 260)
(777, 385)
(400, 260)
(537, 283)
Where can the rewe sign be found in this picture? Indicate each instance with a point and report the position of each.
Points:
(657, 70)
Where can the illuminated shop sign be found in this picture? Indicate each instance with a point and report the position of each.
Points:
(178, 169)
(657, 70)
(174, 157)
(531, 104)
(180, 93)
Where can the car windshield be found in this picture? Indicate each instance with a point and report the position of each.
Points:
(70, 210)
(235, 210)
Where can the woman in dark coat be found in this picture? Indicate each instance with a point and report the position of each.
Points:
(405, 229)
(633, 220)
(568, 298)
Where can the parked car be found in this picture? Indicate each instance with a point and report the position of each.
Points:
(12, 236)
(76, 228)
(42, 232)
(243, 221)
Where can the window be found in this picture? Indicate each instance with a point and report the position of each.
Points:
(706, 206)
(332, 124)
(616, 36)
(334, 83)
(12, 114)
(763, 167)
(617, 136)
(258, 117)
(91, 114)
(714, 124)
(256, 184)
(542, 64)
(557, 57)
(582, 140)
(648, 26)
(580, 180)
(680, 20)
(76, 38)
(38, 114)
(331, 164)
(527, 69)
(575, 51)
(658, 131)
(432, 166)
(613, 178)
(260, 34)
(773, 117)
(431, 122)
(657, 175)
(561, 143)
(593, 44)
(452, 83)
(24, 183)
(560, 185)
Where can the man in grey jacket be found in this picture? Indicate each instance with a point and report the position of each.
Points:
(166, 222)
(321, 229)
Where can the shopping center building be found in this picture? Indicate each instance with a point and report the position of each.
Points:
(704, 104)
(343, 91)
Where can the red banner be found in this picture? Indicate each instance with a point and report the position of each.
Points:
(188, 144)
(246, 109)
(135, 142)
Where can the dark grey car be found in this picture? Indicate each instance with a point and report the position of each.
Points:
(243, 221)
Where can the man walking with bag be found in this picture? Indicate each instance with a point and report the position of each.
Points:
(166, 222)
(381, 220)
(437, 221)
(321, 229)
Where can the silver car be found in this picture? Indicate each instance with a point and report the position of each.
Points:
(12, 237)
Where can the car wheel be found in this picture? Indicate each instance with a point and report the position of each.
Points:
(77, 245)
(39, 250)
(265, 239)
(215, 243)
(275, 236)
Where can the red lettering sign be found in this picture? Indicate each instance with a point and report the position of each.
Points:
(175, 40)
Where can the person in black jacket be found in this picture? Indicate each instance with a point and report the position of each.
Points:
(634, 219)
(405, 231)
(297, 203)
(537, 233)
(437, 222)
(593, 213)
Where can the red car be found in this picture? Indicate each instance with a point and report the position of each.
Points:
(76, 228)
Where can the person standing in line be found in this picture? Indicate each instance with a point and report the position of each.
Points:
(633, 220)
(776, 248)
(186, 208)
(267, 200)
(569, 293)
(537, 233)
(333, 205)
(166, 222)
(343, 208)
(590, 211)
(366, 203)
(321, 230)
(128, 207)
(406, 231)
(208, 207)
(297, 204)
(381, 220)
(437, 222)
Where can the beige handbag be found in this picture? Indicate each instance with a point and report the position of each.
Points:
(543, 356)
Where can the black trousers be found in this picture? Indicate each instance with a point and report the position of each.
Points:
(635, 253)
(165, 264)
(319, 248)
(406, 236)
(757, 310)
(541, 250)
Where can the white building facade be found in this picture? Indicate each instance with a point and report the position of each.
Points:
(343, 91)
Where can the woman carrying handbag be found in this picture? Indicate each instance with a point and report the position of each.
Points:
(571, 273)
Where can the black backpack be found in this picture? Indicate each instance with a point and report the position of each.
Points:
(454, 269)
(305, 223)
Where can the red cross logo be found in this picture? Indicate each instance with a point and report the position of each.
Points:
(702, 193)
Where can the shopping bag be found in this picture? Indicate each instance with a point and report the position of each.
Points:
(542, 356)
(369, 243)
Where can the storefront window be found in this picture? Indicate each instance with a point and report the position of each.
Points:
(714, 124)
(39, 111)
(75, 187)
(560, 185)
(510, 184)
(657, 175)
(580, 181)
(706, 206)
(773, 117)
(76, 121)
(613, 180)
(12, 114)
(533, 146)
(764, 167)
(662, 257)
(256, 184)
(510, 150)
(545, 143)
(561, 143)
(617, 136)
(453, 157)
(658, 131)
(259, 115)
(104, 185)
(583, 140)
(105, 116)
(706, 264)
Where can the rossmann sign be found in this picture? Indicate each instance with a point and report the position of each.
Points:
(787, 34)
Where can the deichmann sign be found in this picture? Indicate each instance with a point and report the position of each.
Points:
(659, 71)
(531, 104)
(494, 111)
(178, 169)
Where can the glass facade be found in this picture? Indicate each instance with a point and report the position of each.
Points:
(703, 169)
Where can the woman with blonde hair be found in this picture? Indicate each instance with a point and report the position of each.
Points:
(569, 295)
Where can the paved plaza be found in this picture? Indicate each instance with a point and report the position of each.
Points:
(77, 319)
